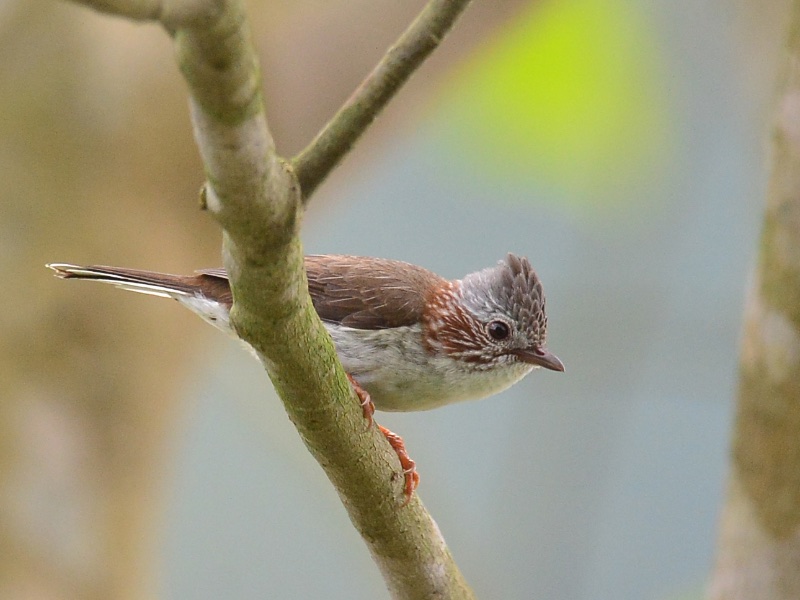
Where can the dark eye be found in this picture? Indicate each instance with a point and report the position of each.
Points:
(498, 330)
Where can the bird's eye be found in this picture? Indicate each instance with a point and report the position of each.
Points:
(498, 330)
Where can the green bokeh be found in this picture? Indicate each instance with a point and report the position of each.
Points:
(571, 93)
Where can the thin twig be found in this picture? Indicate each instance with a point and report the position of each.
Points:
(313, 164)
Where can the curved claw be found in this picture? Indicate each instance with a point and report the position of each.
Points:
(408, 465)
(367, 407)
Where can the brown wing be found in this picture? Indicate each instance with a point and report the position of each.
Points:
(368, 293)
(363, 292)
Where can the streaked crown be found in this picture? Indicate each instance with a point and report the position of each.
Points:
(511, 289)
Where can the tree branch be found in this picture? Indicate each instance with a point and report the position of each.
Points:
(336, 139)
(170, 13)
(256, 198)
(759, 544)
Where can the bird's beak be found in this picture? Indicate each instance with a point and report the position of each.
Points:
(541, 357)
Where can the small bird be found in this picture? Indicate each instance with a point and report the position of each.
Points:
(407, 338)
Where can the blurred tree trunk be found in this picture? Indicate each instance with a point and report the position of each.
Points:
(759, 544)
(89, 380)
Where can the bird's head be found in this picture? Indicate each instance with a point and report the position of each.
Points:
(492, 317)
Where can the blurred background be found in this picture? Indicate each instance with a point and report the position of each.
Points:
(620, 144)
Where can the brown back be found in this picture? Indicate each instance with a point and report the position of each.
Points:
(362, 292)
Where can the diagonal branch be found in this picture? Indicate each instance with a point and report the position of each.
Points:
(336, 139)
(256, 198)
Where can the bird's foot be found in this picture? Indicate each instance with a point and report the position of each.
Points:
(410, 475)
(363, 397)
(406, 463)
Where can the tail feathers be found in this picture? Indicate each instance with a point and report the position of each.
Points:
(144, 282)
(206, 294)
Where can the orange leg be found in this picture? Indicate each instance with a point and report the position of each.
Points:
(363, 397)
(409, 466)
(395, 441)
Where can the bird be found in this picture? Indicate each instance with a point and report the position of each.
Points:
(407, 338)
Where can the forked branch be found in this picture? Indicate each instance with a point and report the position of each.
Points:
(258, 200)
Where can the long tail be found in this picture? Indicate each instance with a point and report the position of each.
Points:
(208, 294)
(144, 282)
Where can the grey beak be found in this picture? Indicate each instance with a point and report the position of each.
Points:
(541, 357)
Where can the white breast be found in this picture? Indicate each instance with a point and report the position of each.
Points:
(400, 375)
